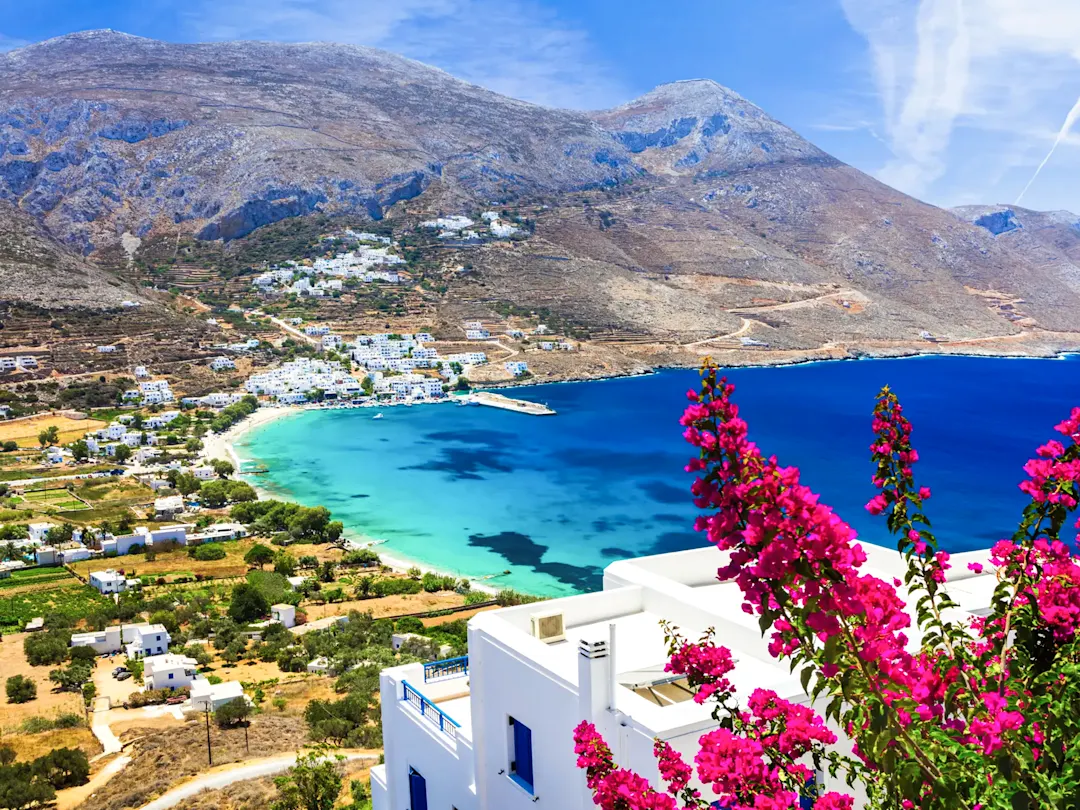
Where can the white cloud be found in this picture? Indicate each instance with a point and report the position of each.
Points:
(514, 47)
(993, 65)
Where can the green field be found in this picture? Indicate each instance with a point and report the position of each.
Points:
(59, 499)
(36, 576)
(74, 603)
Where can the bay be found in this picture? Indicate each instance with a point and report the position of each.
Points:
(478, 491)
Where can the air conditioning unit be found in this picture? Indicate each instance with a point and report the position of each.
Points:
(548, 627)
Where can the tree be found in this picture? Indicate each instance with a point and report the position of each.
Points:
(20, 689)
(187, 484)
(326, 571)
(58, 535)
(279, 703)
(214, 494)
(72, 677)
(79, 450)
(63, 767)
(42, 649)
(259, 555)
(958, 712)
(199, 653)
(233, 712)
(314, 783)
(122, 453)
(222, 467)
(49, 436)
(247, 604)
(285, 564)
(10, 446)
(193, 445)
(308, 561)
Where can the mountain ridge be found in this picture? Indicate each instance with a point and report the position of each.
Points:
(667, 208)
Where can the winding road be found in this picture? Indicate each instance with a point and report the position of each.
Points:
(230, 774)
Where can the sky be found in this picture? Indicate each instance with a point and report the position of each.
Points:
(956, 102)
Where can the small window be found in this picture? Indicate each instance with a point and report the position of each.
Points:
(170, 676)
(521, 754)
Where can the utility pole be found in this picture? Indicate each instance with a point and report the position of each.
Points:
(209, 755)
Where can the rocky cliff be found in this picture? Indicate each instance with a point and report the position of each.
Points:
(681, 215)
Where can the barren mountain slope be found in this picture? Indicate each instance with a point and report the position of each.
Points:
(679, 216)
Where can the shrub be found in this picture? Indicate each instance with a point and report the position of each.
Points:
(233, 712)
(152, 697)
(20, 689)
(43, 649)
(247, 604)
(390, 587)
(207, 552)
(409, 624)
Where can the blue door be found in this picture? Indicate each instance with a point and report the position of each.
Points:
(417, 790)
(522, 766)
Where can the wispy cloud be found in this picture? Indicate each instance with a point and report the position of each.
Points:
(10, 43)
(514, 47)
(939, 65)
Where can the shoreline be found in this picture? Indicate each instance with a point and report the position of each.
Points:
(223, 445)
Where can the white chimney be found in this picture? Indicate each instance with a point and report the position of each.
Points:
(594, 679)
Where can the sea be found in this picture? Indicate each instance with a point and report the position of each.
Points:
(543, 504)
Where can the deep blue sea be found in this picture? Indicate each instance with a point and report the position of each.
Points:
(478, 491)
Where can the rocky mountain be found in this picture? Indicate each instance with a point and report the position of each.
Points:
(38, 270)
(686, 215)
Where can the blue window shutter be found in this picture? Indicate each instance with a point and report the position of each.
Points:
(809, 795)
(523, 755)
(417, 791)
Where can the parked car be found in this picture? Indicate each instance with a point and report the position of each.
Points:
(118, 670)
(123, 676)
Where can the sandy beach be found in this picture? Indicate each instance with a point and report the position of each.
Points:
(220, 445)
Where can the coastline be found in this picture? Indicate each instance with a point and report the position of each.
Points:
(224, 445)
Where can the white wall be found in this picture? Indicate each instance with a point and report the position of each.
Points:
(410, 740)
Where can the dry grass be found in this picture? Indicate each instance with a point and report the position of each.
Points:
(47, 702)
(177, 561)
(25, 431)
(257, 793)
(32, 746)
(387, 605)
(163, 758)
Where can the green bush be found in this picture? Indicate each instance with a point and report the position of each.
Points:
(43, 649)
(390, 587)
(409, 624)
(207, 552)
(248, 604)
(20, 689)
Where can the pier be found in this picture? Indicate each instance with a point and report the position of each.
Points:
(517, 405)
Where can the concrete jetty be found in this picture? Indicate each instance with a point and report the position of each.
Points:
(494, 400)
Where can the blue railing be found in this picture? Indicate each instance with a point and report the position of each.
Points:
(429, 711)
(448, 668)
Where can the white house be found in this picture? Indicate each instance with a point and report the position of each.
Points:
(106, 349)
(166, 534)
(222, 363)
(37, 531)
(206, 696)
(148, 640)
(73, 553)
(168, 671)
(493, 731)
(203, 473)
(168, 507)
(218, 532)
(285, 614)
(47, 555)
(516, 367)
(138, 639)
(108, 581)
(123, 543)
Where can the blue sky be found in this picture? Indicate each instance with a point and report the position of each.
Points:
(954, 101)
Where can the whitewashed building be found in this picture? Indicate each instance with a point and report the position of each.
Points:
(137, 640)
(108, 581)
(222, 363)
(168, 671)
(493, 731)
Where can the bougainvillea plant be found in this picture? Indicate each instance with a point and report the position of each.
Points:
(948, 711)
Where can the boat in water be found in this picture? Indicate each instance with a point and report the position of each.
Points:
(377, 416)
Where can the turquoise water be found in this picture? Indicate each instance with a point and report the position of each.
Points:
(478, 491)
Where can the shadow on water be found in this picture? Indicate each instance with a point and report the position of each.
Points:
(520, 549)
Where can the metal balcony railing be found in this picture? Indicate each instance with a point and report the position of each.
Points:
(448, 668)
(429, 711)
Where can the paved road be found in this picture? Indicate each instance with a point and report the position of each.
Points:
(230, 774)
